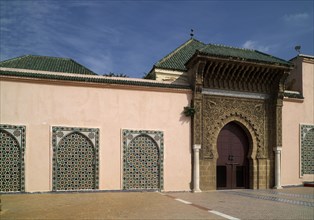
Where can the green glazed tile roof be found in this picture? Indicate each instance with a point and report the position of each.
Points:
(177, 59)
(44, 63)
(244, 54)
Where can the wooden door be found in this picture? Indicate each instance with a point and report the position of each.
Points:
(232, 164)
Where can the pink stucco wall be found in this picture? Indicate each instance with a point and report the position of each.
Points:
(296, 112)
(40, 106)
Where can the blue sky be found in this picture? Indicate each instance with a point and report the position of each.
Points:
(130, 36)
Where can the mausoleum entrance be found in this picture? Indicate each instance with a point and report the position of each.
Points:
(237, 122)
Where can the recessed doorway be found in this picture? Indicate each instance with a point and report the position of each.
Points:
(232, 171)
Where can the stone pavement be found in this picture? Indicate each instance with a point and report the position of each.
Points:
(287, 203)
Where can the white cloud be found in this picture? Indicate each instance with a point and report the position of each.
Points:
(47, 28)
(5, 21)
(23, 28)
(248, 44)
(254, 45)
(296, 17)
(100, 64)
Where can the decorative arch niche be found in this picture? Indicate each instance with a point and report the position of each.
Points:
(143, 155)
(12, 151)
(249, 114)
(306, 149)
(75, 158)
(249, 131)
(233, 145)
(254, 117)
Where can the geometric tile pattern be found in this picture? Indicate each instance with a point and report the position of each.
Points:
(75, 158)
(307, 149)
(142, 160)
(12, 150)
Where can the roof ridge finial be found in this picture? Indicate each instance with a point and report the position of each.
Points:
(192, 34)
(298, 49)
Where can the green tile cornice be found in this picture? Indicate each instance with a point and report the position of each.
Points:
(104, 80)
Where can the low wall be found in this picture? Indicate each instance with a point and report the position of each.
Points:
(39, 106)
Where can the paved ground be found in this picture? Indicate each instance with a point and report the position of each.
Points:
(288, 203)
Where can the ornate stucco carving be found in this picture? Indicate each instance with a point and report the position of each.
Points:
(249, 94)
(197, 119)
(279, 103)
(197, 122)
(218, 111)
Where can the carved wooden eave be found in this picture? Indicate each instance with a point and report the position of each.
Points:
(202, 57)
(236, 74)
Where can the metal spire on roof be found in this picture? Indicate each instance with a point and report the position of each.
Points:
(298, 49)
(192, 34)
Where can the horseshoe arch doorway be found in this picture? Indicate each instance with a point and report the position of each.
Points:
(232, 169)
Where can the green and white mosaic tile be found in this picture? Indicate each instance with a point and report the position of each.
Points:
(307, 149)
(143, 153)
(12, 151)
(75, 158)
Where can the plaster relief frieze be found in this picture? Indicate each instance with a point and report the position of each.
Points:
(279, 126)
(197, 122)
(218, 111)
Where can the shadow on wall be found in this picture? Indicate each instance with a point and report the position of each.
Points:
(184, 118)
(182, 80)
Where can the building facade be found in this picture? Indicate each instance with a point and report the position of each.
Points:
(207, 117)
(298, 123)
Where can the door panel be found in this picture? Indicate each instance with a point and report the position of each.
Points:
(233, 148)
(240, 176)
(221, 176)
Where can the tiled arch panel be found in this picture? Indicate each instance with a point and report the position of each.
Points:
(75, 158)
(12, 151)
(307, 149)
(143, 153)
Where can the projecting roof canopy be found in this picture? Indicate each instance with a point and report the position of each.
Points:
(178, 59)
